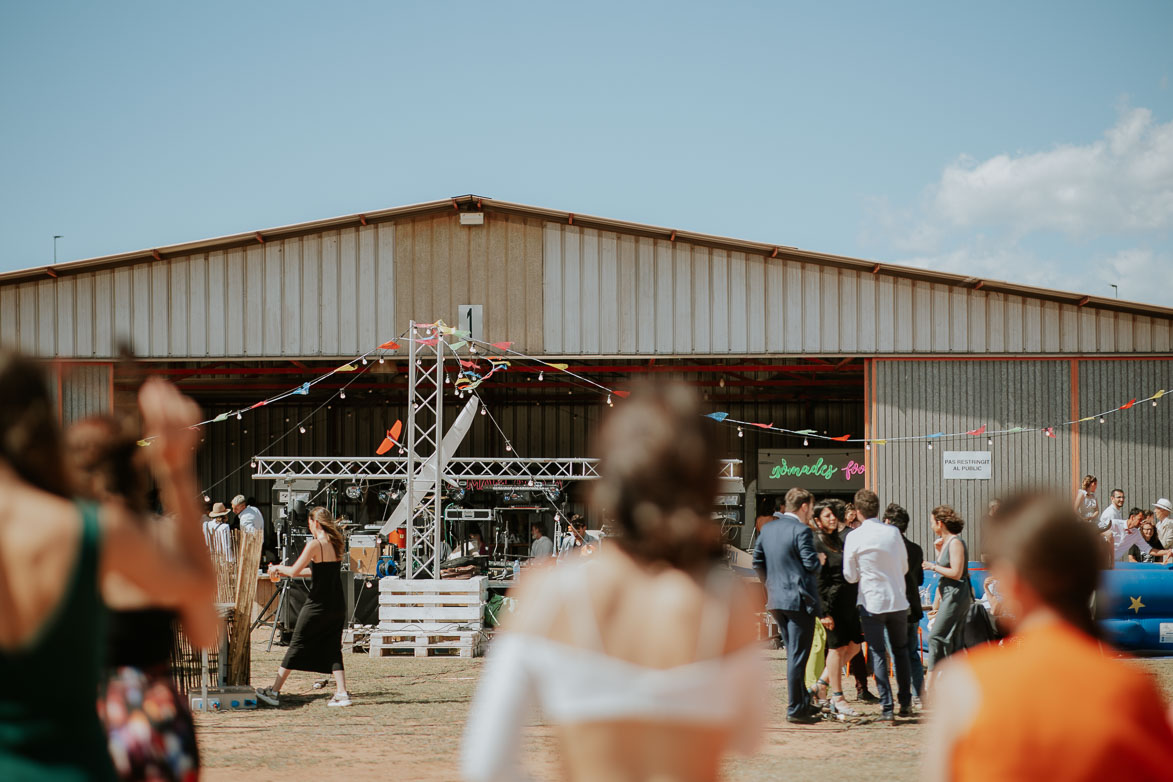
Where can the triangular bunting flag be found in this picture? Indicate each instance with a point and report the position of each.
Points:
(717, 416)
(563, 367)
(219, 418)
(1049, 431)
(842, 439)
(980, 430)
(1128, 404)
(346, 368)
(389, 345)
(457, 345)
(502, 345)
(764, 426)
(625, 394)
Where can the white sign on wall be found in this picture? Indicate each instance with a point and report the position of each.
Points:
(967, 466)
(470, 317)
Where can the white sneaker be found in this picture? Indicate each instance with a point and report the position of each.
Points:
(268, 695)
(340, 699)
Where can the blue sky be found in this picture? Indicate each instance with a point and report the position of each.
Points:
(1022, 141)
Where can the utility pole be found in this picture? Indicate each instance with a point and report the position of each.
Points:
(1115, 289)
(55, 238)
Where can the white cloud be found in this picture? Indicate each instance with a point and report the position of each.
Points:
(1121, 183)
(1075, 218)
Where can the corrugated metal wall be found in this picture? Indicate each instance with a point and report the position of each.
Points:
(85, 391)
(1133, 449)
(551, 429)
(611, 293)
(550, 288)
(914, 398)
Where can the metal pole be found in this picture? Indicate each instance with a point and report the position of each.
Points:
(438, 461)
(55, 238)
(409, 497)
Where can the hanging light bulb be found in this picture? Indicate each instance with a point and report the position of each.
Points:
(382, 360)
(721, 382)
(447, 380)
(252, 465)
(609, 403)
(1154, 403)
(341, 394)
(508, 447)
(1101, 419)
(542, 376)
(207, 498)
(930, 446)
(867, 446)
(484, 411)
(364, 361)
(740, 433)
(301, 429)
(239, 416)
(805, 442)
(989, 441)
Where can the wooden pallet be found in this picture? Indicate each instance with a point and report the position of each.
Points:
(430, 605)
(357, 638)
(398, 643)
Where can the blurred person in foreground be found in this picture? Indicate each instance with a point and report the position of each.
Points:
(53, 553)
(149, 727)
(642, 658)
(1051, 705)
(787, 563)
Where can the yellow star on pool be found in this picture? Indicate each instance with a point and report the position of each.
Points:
(1136, 604)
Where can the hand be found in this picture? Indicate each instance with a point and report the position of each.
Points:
(827, 621)
(169, 418)
(927, 565)
(822, 558)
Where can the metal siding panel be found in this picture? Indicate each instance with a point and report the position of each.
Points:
(385, 286)
(847, 311)
(1087, 331)
(812, 316)
(682, 305)
(330, 342)
(27, 297)
(942, 328)
(828, 340)
(439, 292)
(877, 309)
(629, 314)
(496, 282)
(719, 301)
(66, 308)
(738, 303)
(348, 292)
(995, 323)
(404, 276)
(140, 294)
(775, 306)
(85, 316)
(905, 317)
(702, 326)
(1050, 317)
(795, 291)
(534, 338)
(978, 310)
(46, 319)
(1069, 328)
(552, 286)
(217, 298)
(104, 313)
(123, 311)
(368, 291)
(1032, 326)
(1162, 335)
(274, 317)
(308, 323)
(609, 292)
(646, 306)
(1106, 323)
(756, 294)
(254, 288)
(923, 322)
(235, 318)
(292, 313)
(663, 284)
(959, 321)
(1142, 334)
(9, 333)
(197, 297)
(160, 312)
(570, 302)
(177, 344)
(588, 292)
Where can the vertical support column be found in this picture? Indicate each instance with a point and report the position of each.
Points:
(425, 457)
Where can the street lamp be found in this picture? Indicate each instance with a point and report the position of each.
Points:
(1115, 288)
(55, 238)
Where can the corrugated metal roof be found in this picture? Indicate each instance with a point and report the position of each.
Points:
(473, 202)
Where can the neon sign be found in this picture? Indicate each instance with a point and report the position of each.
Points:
(780, 469)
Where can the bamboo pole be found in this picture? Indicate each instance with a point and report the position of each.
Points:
(239, 646)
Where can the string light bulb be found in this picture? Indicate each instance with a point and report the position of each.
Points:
(207, 498)
(1154, 403)
(382, 360)
(484, 411)
(239, 416)
(867, 446)
(508, 447)
(301, 429)
(542, 376)
(252, 465)
(930, 446)
(805, 442)
(740, 433)
(989, 441)
(1101, 419)
(364, 361)
(609, 402)
(341, 394)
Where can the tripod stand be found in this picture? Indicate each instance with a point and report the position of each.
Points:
(283, 532)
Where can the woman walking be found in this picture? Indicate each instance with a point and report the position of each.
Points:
(954, 589)
(1087, 507)
(838, 596)
(317, 636)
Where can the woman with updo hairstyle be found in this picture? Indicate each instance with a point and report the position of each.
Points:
(317, 637)
(1086, 504)
(956, 593)
(1052, 703)
(642, 657)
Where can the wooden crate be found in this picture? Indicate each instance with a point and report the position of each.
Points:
(428, 605)
(459, 643)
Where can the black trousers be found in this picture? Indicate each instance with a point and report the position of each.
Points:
(858, 668)
(798, 628)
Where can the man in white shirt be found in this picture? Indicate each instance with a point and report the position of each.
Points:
(251, 519)
(542, 547)
(874, 556)
(1161, 510)
(1126, 534)
(1115, 510)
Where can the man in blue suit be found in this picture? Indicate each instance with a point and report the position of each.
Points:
(787, 564)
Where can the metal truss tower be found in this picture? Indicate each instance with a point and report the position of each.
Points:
(425, 457)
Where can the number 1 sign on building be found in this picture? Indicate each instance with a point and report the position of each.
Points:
(471, 319)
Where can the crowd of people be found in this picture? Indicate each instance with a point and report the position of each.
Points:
(1137, 535)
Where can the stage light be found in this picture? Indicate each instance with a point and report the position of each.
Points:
(354, 492)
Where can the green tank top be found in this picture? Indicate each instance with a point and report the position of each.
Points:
(49, 728)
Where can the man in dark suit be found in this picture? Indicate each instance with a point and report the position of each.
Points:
(897, 516)
(786, 562)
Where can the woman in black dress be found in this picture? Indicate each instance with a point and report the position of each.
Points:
(840, 615)
(317, 637)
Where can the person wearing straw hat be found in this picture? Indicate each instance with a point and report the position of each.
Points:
(1161, 510)
(217, 532)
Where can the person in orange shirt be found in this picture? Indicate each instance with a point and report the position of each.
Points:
(1050, 703)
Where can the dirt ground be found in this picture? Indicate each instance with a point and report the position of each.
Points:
(408, 715)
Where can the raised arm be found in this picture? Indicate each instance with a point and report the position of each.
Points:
(302, 566)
